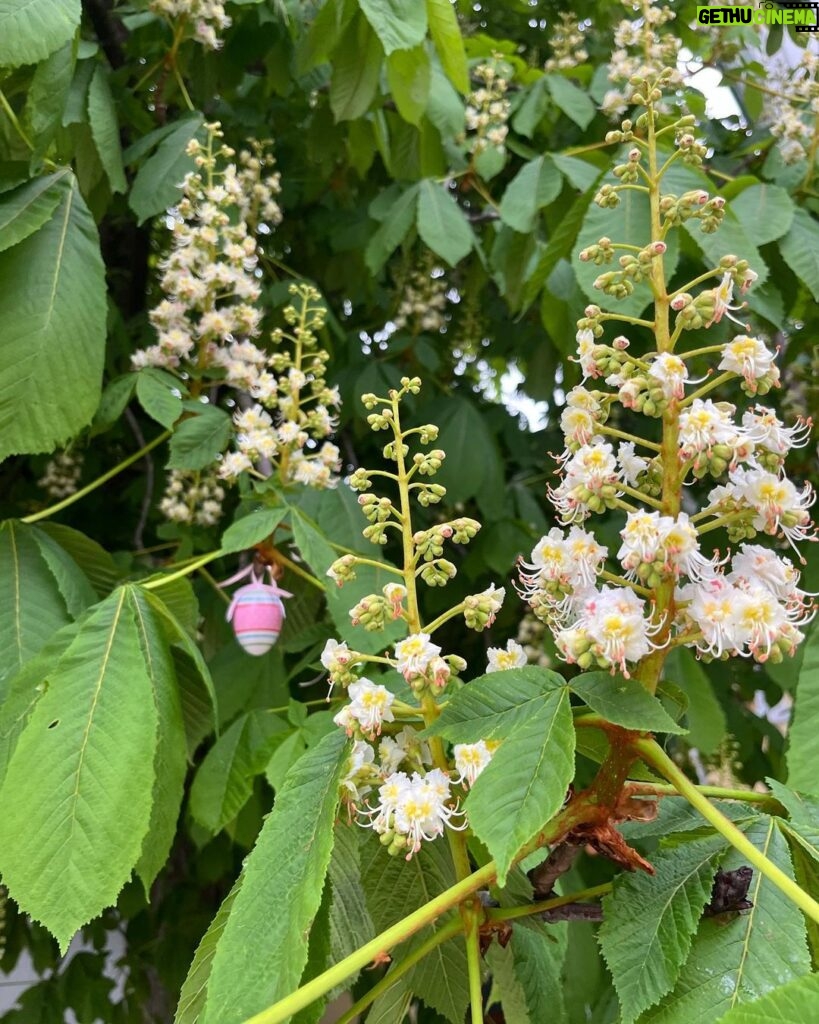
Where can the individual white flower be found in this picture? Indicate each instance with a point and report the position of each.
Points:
(779, 506)
(747, 357)
(723, 294)
(615, 623)
(754, 563)
(642, 538)
(704, 424)
(499, 660)
(632, 465)
(405, 746)
(414, 654)
(764, 428)
(355, 780)
(671, 373)
(370, 705)
(470, 761)
(590, 480)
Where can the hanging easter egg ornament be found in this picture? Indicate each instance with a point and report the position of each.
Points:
(256, 611)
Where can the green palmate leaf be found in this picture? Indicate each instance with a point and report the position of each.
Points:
(532, 109)
(288, 862)
(743, 956)
(197, 708)
(506, 989)
(442, 224)
(356, 67)
(158, 182)
(649, 921)
(97, 565)
(494, 705)
(393, 230)
(32, 608)
(319, 556)
(409, 76)
(794, 1003)
(559, 247)
(535, 185)
(115, 396)
(252, 529)
(48, 94)
(195, 988)
(24, 210)
(200, 439)
(52, 321)
(392, 1007)
(706, 719)
(102, 117)
(171, 752)
(32, 29)
(159, 395)
(525, 783)
(765, 211)
(803, 736)
(77, 795)
(537, 958)
(800, 250)
(581, 174)
(177, 634)
(623, 701)
(318, 955)
(449, 44)
(471, 451)
(572, 101)
(399, 24)
(71, 581)
(350, 923)
(24, 688)
(396, 887)
(224, 780)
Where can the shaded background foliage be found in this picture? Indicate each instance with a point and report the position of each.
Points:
(376, 184)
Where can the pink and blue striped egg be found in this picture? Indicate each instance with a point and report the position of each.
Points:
(256, 613)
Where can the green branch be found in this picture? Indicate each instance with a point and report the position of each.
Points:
(654, 755)
(77, 495)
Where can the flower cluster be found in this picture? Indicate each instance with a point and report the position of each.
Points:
(792, 112)
(415, 801)
(209, 312)
(192, 498)
(641, 50)
(567, 44)
(487, 107)
(664, 586)
(423, 301)
(62, 474)
(205, 19)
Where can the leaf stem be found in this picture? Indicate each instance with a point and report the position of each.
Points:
(4, 103)
(660, 789)
(473, 963)
(288, 563)
(601, 428)
(448, 931)
(656, 756)
(163, 581)
(513, 913)
(77, 495)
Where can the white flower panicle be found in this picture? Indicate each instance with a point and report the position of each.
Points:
(193, 498)
(205, 18)
(487, 107)
(566, 40)
(62, 474)
(665, 585)
(209, 323)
